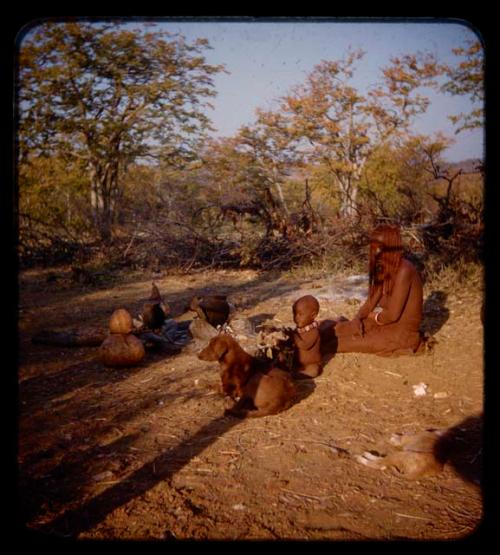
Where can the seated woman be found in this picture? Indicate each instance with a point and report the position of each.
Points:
(388, 322)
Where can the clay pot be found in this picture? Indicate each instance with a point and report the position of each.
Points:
(121, 350)
(212, 308)
(121, 322)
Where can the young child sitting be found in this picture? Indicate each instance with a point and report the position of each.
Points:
(307, 356)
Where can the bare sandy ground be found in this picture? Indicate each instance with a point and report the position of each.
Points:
(145, 453)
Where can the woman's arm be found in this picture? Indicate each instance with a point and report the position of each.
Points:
(369, 304)
(399, 296)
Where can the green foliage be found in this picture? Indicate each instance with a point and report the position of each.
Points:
(467, 78)
(121, 144)
(447, 276)
(53, 191)
(53, 210)
(400, 182)
(328, 122)
(328, 199)
(115, 96)
(379, 183)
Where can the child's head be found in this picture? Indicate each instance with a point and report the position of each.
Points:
(305, 310)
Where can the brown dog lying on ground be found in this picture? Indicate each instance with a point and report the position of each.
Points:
(415, 458)
(256, 389)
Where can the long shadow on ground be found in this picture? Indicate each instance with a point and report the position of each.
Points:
(462, 448)
(55, 391)
(73, 522)
(435, 313)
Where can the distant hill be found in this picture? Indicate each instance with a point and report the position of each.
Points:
(470, 165)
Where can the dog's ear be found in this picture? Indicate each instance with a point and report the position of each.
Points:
(213, 351)
(219, 346)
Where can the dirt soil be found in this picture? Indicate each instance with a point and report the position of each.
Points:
(145, 453)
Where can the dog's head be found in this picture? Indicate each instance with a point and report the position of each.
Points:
(217, 348)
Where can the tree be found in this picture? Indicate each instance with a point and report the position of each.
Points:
(467, 78)
(396, 183)
(52, 203)
(271, 151)
(239, 174)
(340, 128)
(52, 191)
(108, 96)
(222, 171)
(378, 186)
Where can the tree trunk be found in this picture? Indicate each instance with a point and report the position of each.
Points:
(68, 208)
(352, 200)
(349, 193)
(282, 198)
(100, 212)
(103, 197)
(349, 186)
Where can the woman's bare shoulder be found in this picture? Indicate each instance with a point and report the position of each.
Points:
(407, 268)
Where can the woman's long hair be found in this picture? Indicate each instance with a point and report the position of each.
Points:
(384, 263)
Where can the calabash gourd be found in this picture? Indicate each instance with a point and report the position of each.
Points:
(121, 321)
(121, 348)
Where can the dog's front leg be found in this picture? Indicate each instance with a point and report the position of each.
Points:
(241, 408)
(229, 403)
